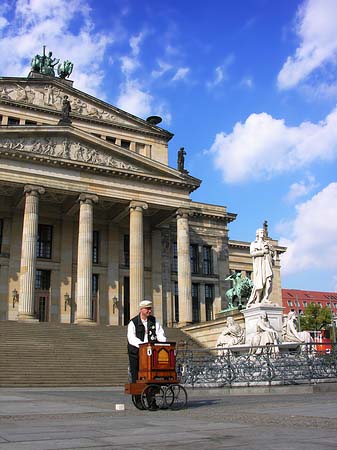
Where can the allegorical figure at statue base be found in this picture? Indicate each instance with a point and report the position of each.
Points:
(265, 335)
(232, 334)
(290, 333)
(262, 253)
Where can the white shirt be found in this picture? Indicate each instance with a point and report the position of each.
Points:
(133, 340)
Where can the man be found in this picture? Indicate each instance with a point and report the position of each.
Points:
(142, 328)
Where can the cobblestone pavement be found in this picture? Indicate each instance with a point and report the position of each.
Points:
(86, 418)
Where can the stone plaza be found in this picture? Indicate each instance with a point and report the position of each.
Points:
(294, 417)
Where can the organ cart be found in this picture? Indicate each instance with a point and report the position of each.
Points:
(157, 386)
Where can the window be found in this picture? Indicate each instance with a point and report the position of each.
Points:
(42, 280)
(174, 257)
(30, 122)
(305, 304)
(289, 294)
(111, 139)
(207, 260)
(194, 256)
(125, 144)
(95, 247)
(209, 298)
(290, 303)
(126, 250)
(195, 303)
(176, 302)
(44, 241)
(12, 121)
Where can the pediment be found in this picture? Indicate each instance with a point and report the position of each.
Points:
(74, 148)
(48, 93)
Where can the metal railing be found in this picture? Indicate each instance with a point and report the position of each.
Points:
(264, 365)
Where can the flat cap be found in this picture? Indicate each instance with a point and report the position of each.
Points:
(145, 304)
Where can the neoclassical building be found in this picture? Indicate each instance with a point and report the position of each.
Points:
(93, 220)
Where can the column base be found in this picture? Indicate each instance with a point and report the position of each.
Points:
(85, 322)
(183, 324)
(27, 318)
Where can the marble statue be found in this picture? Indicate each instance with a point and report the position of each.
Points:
(265, 334)
(262, 252)
(290, 333)
(231, 335)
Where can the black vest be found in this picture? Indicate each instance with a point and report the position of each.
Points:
(140, 331)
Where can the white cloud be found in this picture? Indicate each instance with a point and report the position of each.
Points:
(301, 189)
(181, 73)
(134, 99)
(317, 31)
(264, 146)
(221, 72)
(37, 22)
(163, 68)
(129, 63)
(247, 82)
(312, 243)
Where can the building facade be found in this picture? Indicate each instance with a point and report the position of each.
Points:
(93, 220)
(298, 300)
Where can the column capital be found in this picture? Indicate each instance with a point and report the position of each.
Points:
(138, 206)
(183, 213)
(88, 198)
(34, 190)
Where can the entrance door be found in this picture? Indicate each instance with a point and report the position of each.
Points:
(126, 300)
(42, 295)
(42, 306)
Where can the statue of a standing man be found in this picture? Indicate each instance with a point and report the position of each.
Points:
(262, 253)
(181, 159)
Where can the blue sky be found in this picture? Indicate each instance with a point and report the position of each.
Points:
(248, 87)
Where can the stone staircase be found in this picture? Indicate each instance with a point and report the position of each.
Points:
(54, 354)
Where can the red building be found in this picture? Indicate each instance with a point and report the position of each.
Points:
(298, 300)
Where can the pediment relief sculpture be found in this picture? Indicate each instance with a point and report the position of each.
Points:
(51, 97)
(65, 149)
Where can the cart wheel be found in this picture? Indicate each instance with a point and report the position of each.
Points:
(137, 401)
(176, 397)
(153, 397)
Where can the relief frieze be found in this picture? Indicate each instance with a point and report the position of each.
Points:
(65, 149)
(51, 97)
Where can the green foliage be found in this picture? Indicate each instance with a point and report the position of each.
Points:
(316, 318)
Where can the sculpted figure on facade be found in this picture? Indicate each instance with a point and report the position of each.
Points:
(262, 252)
(231, 335)
(290, 333)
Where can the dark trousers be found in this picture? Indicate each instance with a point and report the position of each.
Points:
(134, 364)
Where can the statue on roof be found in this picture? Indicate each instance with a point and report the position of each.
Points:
(64, 70)
(181, 159)
(45, 65)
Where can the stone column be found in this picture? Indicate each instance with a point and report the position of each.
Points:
(184, 268)
(28, 253)
(136, 255)
(84, 261)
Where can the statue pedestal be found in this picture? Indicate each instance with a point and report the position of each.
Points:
(252, 315)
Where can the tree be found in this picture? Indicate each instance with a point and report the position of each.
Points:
(315, 318)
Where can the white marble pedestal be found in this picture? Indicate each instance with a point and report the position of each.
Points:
(252, 315)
